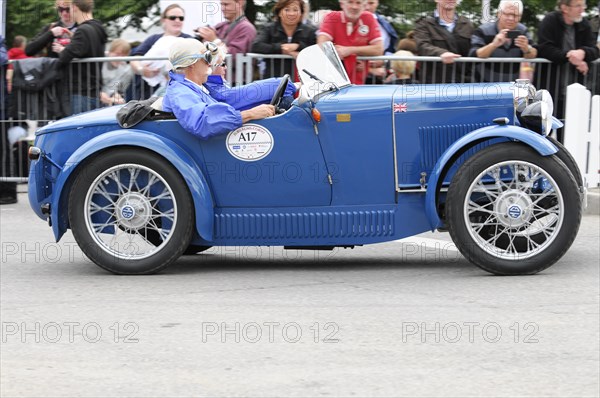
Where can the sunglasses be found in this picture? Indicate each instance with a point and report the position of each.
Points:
(63, 9)
(206, 57)
(222, 64)
(174, 17)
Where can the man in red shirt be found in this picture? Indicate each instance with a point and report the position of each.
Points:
(354, 32)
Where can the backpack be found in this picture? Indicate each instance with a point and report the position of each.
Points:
(35, 74)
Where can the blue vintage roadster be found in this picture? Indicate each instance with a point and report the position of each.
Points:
(343, 166)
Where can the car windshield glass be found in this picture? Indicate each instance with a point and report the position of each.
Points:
(320, 69)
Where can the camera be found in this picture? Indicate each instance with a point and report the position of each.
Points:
(197, 32)
(513, 34)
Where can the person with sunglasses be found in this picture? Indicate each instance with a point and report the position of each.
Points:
(196, 111)
(63, 30)
(172, 19)
(88, 41)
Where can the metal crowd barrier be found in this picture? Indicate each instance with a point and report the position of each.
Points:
(30, 110)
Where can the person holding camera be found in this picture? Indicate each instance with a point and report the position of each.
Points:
(504, 38)
(236, 32)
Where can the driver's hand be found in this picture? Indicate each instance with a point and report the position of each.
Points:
(258, 112)
(264, 110)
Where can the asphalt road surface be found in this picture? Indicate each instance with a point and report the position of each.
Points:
(402, 319)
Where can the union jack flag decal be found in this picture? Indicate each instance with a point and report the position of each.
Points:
(402, 107)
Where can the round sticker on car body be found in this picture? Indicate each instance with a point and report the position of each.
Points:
(250, 142)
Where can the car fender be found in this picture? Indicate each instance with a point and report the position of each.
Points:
(510, 132)
(179, 158)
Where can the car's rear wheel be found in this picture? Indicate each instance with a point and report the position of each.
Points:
(131, 212)
(511, 211)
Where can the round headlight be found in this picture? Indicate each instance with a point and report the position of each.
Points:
(544, 97)
(537, 116)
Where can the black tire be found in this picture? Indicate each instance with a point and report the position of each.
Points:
(565, 156)
(131, 212)
(195, 249)
(513, 226)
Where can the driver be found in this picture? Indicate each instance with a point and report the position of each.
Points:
(196, 111)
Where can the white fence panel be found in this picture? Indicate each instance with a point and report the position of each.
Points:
(582, 131)
(593, 172)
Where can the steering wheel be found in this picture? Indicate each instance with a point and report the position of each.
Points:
(280, 90)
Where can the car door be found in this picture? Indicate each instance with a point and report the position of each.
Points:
(274, 162)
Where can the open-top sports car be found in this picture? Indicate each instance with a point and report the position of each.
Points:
(343, 166)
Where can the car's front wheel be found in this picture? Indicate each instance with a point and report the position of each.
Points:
(511, 211)
(131, 212)
(195, 249)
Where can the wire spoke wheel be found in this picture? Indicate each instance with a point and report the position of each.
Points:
(131, 212)
(512, 211)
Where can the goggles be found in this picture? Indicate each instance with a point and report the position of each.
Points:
(213, 49)
(208, 56)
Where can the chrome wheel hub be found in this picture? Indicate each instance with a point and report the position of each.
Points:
(513, 208)
(133, 210)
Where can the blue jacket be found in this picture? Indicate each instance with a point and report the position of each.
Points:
(3, 52)
(246, 96)
(385, 25)
(196, 111)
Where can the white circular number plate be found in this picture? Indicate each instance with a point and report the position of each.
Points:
(250, 142)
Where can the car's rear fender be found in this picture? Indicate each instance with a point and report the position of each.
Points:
(459, 147)
(180, 159)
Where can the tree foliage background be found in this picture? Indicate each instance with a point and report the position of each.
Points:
(26, 17)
